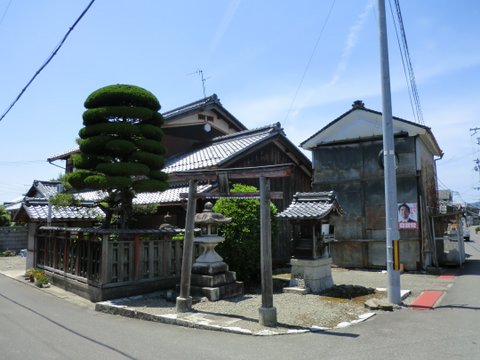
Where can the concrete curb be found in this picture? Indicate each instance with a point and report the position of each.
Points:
(198, 321)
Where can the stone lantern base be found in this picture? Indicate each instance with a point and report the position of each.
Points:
(214, 281)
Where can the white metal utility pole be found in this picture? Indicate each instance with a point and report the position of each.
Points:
(391, 217)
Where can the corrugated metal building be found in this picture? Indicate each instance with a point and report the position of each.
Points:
(348, 158)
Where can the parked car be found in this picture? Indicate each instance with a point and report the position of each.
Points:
(466, 233)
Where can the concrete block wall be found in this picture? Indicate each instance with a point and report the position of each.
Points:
(13, 238)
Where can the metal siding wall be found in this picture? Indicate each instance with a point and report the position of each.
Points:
(353, 171)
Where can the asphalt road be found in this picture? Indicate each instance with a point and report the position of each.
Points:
(36, 325)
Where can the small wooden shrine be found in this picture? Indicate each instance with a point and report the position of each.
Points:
(311, 215)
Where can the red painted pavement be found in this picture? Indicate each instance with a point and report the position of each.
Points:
(426, 300)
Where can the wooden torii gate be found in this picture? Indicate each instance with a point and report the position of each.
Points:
(267, 312)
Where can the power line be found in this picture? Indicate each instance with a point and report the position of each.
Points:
(5, 12)
(20, 162)
(48, 59)
(309, 61)
(407, 65)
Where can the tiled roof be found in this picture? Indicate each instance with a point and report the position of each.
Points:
(220, 149)
(63, 155)
(40, 212)
(311, 205)
(90, 196)
(171, 195)
(208, 102)
(199, 104)
(43, 189)
(47, 188)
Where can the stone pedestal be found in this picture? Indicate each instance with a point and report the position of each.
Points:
(313, 275)
(214, 281)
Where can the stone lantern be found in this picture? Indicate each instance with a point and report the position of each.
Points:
(210, 274)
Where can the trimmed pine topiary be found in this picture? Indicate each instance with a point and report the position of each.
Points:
(121, 149)
(123, 169)
(152, 160)
(149, 185)
(158, 175)
(121, 113)
(122, 95)
(122, 129)
(77, 178)
(152, 146)
(151, 132)
(94, 144)
(84, 161)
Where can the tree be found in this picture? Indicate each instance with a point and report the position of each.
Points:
(5, 219)
(241, 248)
(121, 151)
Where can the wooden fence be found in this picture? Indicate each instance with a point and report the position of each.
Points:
(102, 264)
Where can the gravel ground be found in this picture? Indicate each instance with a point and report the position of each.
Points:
(294, 311)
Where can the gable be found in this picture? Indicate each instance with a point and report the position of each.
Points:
(361, 123)
(218, 151)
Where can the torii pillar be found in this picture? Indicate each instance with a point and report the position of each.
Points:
(267, 312)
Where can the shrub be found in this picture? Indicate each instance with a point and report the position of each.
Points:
(241, 248)
(8, 253)
(5, 219)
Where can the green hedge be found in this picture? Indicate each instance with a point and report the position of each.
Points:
(122, 95)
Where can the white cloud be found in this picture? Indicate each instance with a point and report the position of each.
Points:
(351, 42)
(224, 25)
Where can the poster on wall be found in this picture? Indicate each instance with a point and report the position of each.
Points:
(407, 216)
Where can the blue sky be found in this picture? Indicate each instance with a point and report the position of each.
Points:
(254, 55)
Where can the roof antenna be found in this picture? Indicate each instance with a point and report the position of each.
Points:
(200, 72)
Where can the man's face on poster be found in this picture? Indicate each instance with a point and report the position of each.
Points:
(404, 212)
